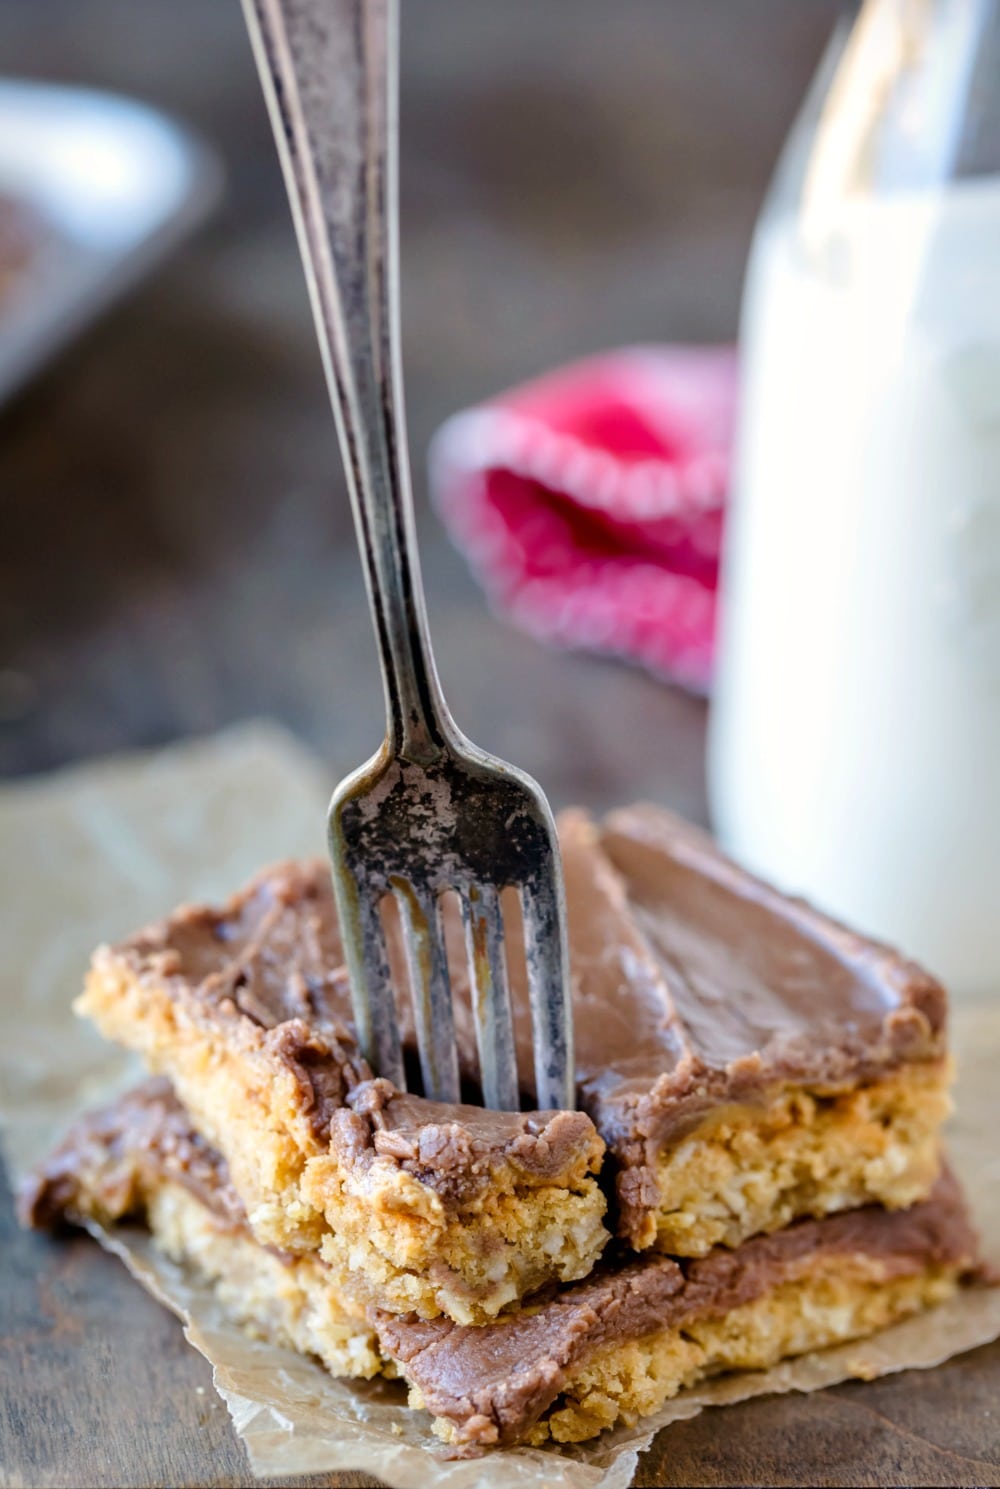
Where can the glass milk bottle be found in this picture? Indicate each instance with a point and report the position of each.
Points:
(855, 739)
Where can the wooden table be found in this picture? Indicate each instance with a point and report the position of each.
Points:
(176, 553)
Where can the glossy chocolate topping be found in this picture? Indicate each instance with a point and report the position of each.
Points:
(456, 1149)
(696, 985)
(494, 1382)
(272, 954)
(112, 1159)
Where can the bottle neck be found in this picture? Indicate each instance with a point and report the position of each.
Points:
(907, 101)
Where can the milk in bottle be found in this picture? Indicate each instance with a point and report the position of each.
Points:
(855, 741)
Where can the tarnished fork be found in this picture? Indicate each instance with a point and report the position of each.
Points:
(430, 812)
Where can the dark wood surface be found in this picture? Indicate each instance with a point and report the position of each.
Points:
(176, 553)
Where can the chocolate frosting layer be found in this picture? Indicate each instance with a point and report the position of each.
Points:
(112, 1159)
(697, 985)
(456, 1149)
(494, 1382)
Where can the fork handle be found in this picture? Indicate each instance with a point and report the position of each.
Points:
(330, 74)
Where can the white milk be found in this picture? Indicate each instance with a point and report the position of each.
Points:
(855, 745)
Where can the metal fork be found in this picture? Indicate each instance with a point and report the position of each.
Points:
(430, 812)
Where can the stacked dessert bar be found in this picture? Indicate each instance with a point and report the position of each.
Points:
(754, 1171)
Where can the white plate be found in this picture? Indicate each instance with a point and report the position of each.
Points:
(117, 185)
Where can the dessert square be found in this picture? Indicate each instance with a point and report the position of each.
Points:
(612, 1348)
(578, 1358)
(418, 1206)
(140, 1159)
(746, 1059)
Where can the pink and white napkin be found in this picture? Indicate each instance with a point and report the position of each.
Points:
(589, 502)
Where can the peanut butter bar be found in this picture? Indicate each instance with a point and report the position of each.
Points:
(140, 1159)
(579, 1358)
(416, 1206)
(613, 1348)
(746, 1060)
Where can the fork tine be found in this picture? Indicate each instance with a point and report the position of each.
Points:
(427, 963)
(491, 998)
(549, 988)
(371, 981)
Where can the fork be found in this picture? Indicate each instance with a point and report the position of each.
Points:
(430, 812)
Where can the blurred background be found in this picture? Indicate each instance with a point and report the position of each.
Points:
(176, 550)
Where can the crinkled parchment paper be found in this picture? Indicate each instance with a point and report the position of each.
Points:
(90, 854)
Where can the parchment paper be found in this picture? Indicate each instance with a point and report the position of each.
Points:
(90, 854)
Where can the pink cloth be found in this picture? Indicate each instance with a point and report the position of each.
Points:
(589, 502)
